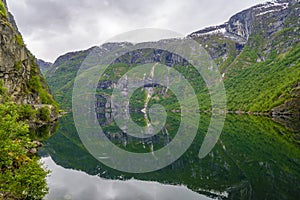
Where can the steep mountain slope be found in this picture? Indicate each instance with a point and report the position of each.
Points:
(19, 72)
(43, 65)
(254, 28)
(61, 76)
(257, 52)
(24, 101)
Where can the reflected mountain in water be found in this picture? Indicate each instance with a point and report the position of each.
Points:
(255, 157)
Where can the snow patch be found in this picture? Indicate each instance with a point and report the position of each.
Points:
(213, 32)
(269, 11)
(271, 4)
(222, 194)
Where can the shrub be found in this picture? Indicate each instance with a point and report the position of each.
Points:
(19, 40)
(3, 12)
(21, 176)
(44, 114)
(26, 112)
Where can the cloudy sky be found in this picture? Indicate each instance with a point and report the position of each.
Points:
(53, 27)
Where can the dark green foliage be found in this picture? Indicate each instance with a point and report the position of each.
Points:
(43, 114)
(26, 112)
(263, 86)
(253, 156)
(250, 85)
(3, 93)
(21, 176)
(19, 40)
(17, 66)
(38, 84)
(34, 83)
(259, 75)
(3, 11)
(61, 79)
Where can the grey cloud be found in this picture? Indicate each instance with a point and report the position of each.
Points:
(37, 14)
(70, 183)
(53, 27)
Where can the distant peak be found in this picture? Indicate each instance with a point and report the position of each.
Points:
(211, 30)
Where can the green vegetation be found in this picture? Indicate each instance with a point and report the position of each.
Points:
(265, 85)
(17, 66)
(44, 114)
(3, 11)
(62, 86)
(259, 75)
(252, 83)
(19, 40)
(253, 156)
(37, 83)
(21, 174)
(27, 113)
(251, 86)
(137, 100)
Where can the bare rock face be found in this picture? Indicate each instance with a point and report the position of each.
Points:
(16, 66)
(264, 22)
(19, 73)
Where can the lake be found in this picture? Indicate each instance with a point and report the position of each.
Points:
(255, 158)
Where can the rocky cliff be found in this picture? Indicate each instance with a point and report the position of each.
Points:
(260, 36)
(19, 72)
(257, 28)
(257, 52)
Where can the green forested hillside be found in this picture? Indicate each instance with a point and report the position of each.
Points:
(260, 87)
(258, 60)
(61, 77)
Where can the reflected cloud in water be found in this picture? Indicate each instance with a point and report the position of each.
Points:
(72, 184)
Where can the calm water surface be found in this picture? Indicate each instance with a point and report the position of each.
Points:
(255, 158)
(73, 184)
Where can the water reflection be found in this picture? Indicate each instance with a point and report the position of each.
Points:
(255, 158)
(72, 184)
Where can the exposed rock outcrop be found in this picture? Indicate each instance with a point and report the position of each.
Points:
(257, 27)
(16, 66)
(19, 72)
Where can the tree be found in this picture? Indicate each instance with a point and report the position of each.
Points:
(21, 174)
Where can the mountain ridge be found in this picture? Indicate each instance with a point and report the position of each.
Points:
(263, 35)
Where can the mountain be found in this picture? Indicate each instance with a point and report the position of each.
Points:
(61, 76)
(43, 65)
(256, 28)
(19, 72)
(257, 51)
